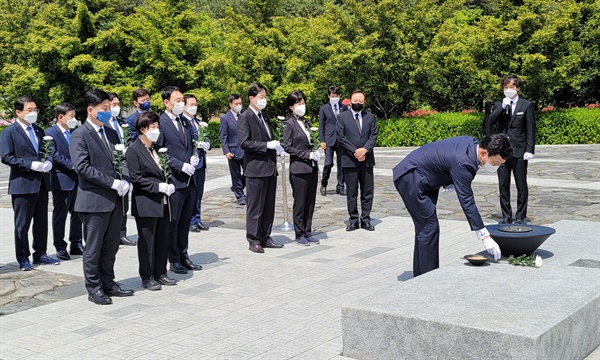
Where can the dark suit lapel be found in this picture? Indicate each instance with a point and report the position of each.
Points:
(301, 132)
(262, 126)
(356, 126)
(146, 154)
(366, 122)
(517, 109)
(24, 134)
(96, 137)
(61, 136)
(171, 126)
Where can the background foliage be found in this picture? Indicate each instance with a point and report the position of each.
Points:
(405, 54)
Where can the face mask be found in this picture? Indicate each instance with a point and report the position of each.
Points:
(115, 111)
(72, 123)
(192, 110)
(261, 104)
(300, 110)
(334, 100)
(145, 106)
(178, 108)
(489, 168)
(153, 134)
(31, 117)
(510, 93)
(357, 107)
(103, 116)
(237, 108)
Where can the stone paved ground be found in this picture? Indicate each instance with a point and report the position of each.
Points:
(278, 305)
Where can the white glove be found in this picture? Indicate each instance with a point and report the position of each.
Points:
(125, 189)
(492, 247)
(527, 156)
(505, 102)
(203, 145)
(194, 160)
(37, 166)
(117, 185)
(188, 169)
(279, 150)
(47, 166)
(273, 144)
(167, 189)
(315, 155)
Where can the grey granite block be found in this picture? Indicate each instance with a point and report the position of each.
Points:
(372, 252)
(308, 251)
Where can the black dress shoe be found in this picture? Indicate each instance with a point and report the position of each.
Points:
(194, 228)
(367, 226)
(177, 268)
(99, 298)
(63, 255)
(341, 191)
(323, 190)
(351, 227)
(77, 249)
(201, 226)
(188, 264)
(125, 241)
(167, 281)
(151, 285)
(254, 247)
(241, 201)
(117, 291)
(520, 221)
(269, 243)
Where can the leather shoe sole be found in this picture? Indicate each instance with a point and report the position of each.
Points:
(151, 285)
(164, 280)
(351, 227)
(191, 266)
(99, 298)
(119, 293)
(178, 269)
(323, 190)
(125, 241)
(256, 249)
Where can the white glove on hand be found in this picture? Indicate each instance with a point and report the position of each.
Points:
(203, 145)
(125, 189)
(527, 156)
(492, 247)
(279, 150)
(188, 169)
(117, 185)
(194, 160)
(315, 155)
(167, 189)
(37, 166)
(47, 166)
(505, 102)
(273, 144)
(171, 189)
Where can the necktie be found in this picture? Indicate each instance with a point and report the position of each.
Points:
(335, 109)
(509, 109)
(264, 123)
(358, 122)
(32, 138)
(103, 138)
(116, 127)
(180, 127)
(68, 136)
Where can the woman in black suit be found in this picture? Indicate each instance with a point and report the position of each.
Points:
(149, 202)
(304, 169)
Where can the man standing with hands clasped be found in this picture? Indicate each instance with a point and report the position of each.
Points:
(515, 117)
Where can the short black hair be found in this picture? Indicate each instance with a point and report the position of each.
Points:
(358, 92)
(506, 80)
(112, 95)
(62, 109)
(188, 96)
(145, 119)
(21, 101)
(94, 97)
(255, 88)
(138, 93)
(294, 97)
(234, 96)
(334, 89)
(497, 144)
(168, 91)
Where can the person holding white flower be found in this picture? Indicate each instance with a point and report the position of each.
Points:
(304, 166)
(22, 148)
(202, 146)
(150, 202)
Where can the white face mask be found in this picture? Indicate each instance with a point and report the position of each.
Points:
(178, 108)
(334, 100)
(31, 117)
(72, 123)
(261, 104)
(300, 110)
(237, 108)
(510, 93)
(115, 111)
(192, 110)
(153, 135)
(489, 168)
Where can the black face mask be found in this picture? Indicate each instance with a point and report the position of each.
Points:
(357, 107)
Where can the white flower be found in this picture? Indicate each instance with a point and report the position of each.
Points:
(162, 150)
(48, 138)
(120, 147)
(538, 261)
(314, 128)
(202, 124)
(125, 125)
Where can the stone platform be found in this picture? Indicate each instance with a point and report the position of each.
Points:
(497, 311)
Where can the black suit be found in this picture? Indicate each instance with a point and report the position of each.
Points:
(64, 191)
(180, 150)
(28, 189)
(119, 131)
(150, 209)
(200, 173)
(351, 137)
(304, 174)
(260, 166)
(328, 135)
(100, 207)
(519, 126)
(229, 142)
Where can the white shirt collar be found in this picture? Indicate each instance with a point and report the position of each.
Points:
(96, 127)
(62, 129)
(24, 126)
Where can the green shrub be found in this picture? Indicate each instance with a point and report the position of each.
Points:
(213, 133)
(573, 126)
